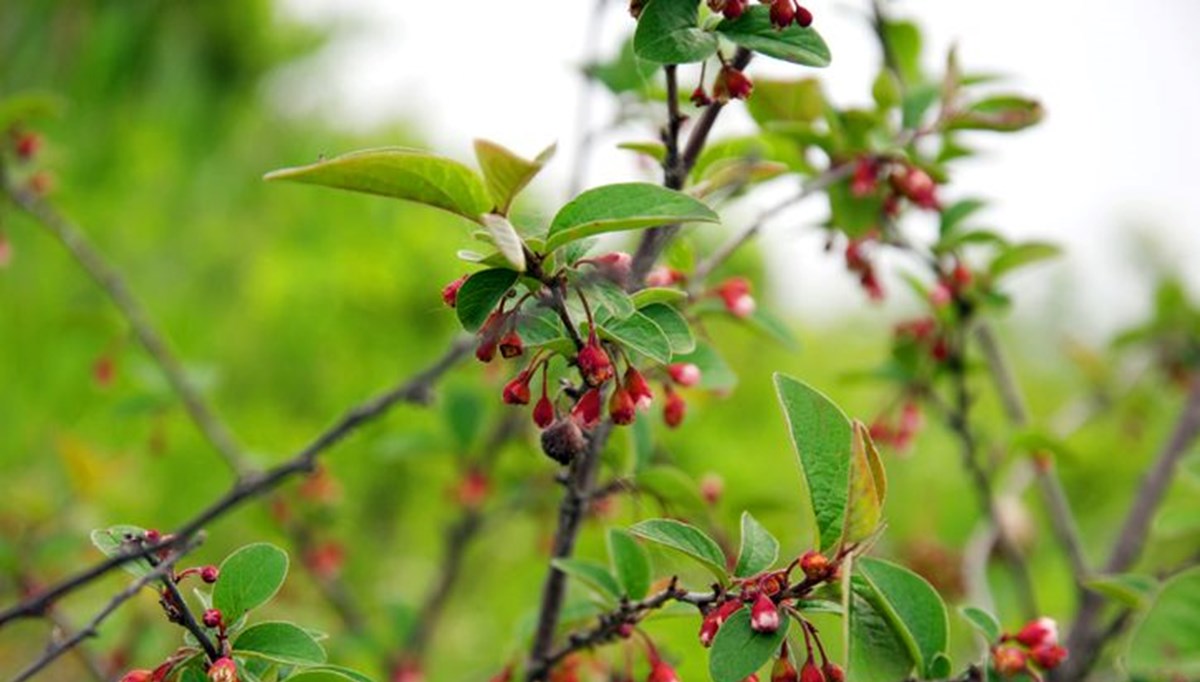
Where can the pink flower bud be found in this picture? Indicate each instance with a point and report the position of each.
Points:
(621, 408)
(661, 671)
(223, 670)
(586, 412)
(543, 412)
(594, 363)
(516, 392)
(663, 276)
(715, 618)
(684, 373)
(615, 265)
(638, 389)
(862, 184)
(764, 615)
(1048, 656)
(137, 676)
(209, 574)
(675, 409)
(1036, 632)
(940, 295)
(212, 618)
(450, 291)
(711, 487)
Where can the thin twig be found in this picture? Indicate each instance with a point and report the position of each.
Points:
(91, 629)
(414, 390)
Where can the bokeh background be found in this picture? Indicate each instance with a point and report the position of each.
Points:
(288, 303)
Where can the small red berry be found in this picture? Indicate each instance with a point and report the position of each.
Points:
(587, 411)
(700, 97)
(450, 291)
(811, 673)
(804, 18)
(511, 345)
(223, 670)
(782, 13)
(684, 373)
(212, 618)
(209, 574)
(638, 389)
(137, 676)
(783, 670)
(764, 614)
(621, 408)
(543, 412)
(833, 672)
(815, 565)
(675, 408)
(962, 276)
(516, 392)
(594, 363)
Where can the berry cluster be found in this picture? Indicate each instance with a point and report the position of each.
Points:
(860, 263)
(786, 12)
(1034, 648)
(894, 181)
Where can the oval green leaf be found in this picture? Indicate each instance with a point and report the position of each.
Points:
(624, 206)
(281, 642)
(685, 538)
(911, 608)
(638, 333)
(759, 548)
(754, 31)
(592, 574)
(480, 294)
(1165, 645)
(505, 173)
(111, 542)
(738, 651)
(630, 563)
(667, 32)
(249, 578)
(674, 325)
(985, 623)
(399, 173)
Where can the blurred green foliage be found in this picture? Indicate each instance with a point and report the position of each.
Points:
(290, 304)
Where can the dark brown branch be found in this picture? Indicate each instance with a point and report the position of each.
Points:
(91, 629)
(415, 390)
(180, 613)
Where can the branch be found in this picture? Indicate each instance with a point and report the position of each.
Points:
(91, 629)
(414, 390)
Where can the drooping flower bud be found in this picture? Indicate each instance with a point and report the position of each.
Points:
(209, 574)
(675, 408)
(833, 672)
(223, 670)
(862, 184)
(1037, 632)
(543, 412)
(700, 97)
(940, 295)
(661, 671)
(587, 410)
(870, 284)
(734, 8)
(473, 489)
(782, 13)
(450, 291)
(516, 392)
(594, 364)
(1048, 656)
(917, 186)
(638, 389)
(615, 265)
(511, 345)
(212, 618)
(684, 373)
(783, 670)
(961, 276)
(715, 618)
(804, 18)
(764, 614)
(621, 408)
(731, 84)
(663, 276)
(809, 672)
(1008, 660)
(815, 565)
(735, 293)
(562, 441)
(489, 335)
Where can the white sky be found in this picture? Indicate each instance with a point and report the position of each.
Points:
(1117, 154)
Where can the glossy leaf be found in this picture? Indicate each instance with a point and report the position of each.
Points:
(594, 575)
(759, 549)
(753, 30)
(738, 651)
(985, 623)
(506, 174)
(478, 296)
(821, 434)
(399, 173)
(639, 333)
(279, 641)
(624, 206)
(674, 325)
(111, 542)
(667, 33)
(630, 563)
(953, 215)
(687, 539)
(1164, 644)
(910, 607)
(249, 578)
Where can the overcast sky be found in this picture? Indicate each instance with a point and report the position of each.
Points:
(1116, 156)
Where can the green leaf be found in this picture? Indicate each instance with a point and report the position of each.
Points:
(674, 325)
(753, 30)
(911, 608)
(604, 293)
(868, 488)
(326, 674)
(877, 652)
(957, 212)
(821, 434)
(505, 173)
(759, 548)
(630, 563)
(715, 373)
(985, 623)
(592, 574)
(789, 101)
(1164, 644)
(738, 651)
(1130, 589)
(1000, 113)
(506, 239)
(479, 295)
(1020, 255)
(624, 206)
(941, 667)
(649, 295)
(656, 151)
(904, 42)
(279, 641)
(399, 173)
(687, 539)
(249, 578)
(111, 542)
(667, 33)
(639, 333)
(538, 325)
(27, 106)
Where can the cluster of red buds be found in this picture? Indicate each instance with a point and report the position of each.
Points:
(731, 83)
(925, 333)
(1035, 647)
(731, 9)
(899, 434)
(785, 671)
(904, 181)
(951, 286)
(735, 295)
(786, 12)
(860, 264)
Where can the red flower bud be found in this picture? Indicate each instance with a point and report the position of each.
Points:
(962, 276)
(6, 251)
(152, 537)
(212, 618)
(586, 412)
(833, 672)
(940, 350)
(638, 389)
(488, 335)
(684, 373)
(1037, 632)
(326, 559)
(223, 670)
(661, 671)
(486, 350)
(731, 84)
(675, 409)
(663, 276)
(543, 412)
(862, 184)
(1048, 656)
(764, 615)
(450, 291)
(621, 408)
(594, 363)
(782, 13)
(734, 8)
(917, 186)
(752, 677)
(714, 618)
(804, 18)
(783, 670)
(511, 345)
(473, 489)
(504, 675)
(814, 565)
(516, 392)
(209, 574)
(615, 265)
(811, 673)
(735, 292)
(137, 676)
(700, 97)
(1008, 660)
(870, 284)
(562, 441)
